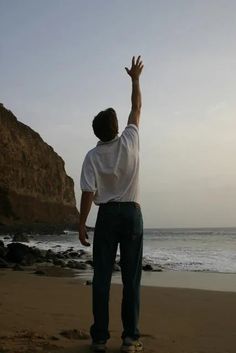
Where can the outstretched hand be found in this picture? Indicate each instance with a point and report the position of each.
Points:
(136, 68)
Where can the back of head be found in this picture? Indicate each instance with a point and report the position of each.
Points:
(105, 125)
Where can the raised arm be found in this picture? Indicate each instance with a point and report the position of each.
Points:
(136, 99)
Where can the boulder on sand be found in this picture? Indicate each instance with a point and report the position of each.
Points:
(22, 254)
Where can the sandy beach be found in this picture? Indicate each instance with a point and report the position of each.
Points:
(35, 310)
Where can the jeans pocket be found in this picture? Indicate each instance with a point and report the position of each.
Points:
(106, 220)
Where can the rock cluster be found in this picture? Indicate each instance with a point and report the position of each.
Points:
(17, 254)
(35, 191)
(23, 255)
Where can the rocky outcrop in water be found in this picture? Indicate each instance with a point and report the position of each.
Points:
(35, 191)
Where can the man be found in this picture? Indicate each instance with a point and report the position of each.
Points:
(110, 178)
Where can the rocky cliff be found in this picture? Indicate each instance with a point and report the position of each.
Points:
(35, 190)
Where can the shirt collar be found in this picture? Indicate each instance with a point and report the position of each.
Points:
(107, 142)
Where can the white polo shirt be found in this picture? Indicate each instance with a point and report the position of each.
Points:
(111, 169)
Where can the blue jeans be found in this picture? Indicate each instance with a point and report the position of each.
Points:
(117, 223)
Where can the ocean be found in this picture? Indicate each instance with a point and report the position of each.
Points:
(198, 250)
(202, 250)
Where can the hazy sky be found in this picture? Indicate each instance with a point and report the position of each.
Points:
(61, 62)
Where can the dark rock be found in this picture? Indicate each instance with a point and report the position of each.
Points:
(74, 254)
(71, 264)
(82, 252)
(22, 254)
(153, 268)
(20, 237)
(58, 262)
(89, 262)
(17, 252)
(60, 256)
(78, 265)
(50, 254)
(65, 255)
(38, 253)
(3, 263)
(147, 267)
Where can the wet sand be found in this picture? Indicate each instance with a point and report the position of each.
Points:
(224, 282)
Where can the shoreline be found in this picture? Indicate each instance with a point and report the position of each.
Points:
(19, 256)
(36, 309)
(78, 263)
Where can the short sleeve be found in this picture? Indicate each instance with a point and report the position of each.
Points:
(87, 179)
(130, 136)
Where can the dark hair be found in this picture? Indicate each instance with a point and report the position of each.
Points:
(105, 125)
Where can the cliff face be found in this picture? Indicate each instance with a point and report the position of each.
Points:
(34, 187)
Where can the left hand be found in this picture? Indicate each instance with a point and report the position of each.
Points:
(136, 68)
(83, 235)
